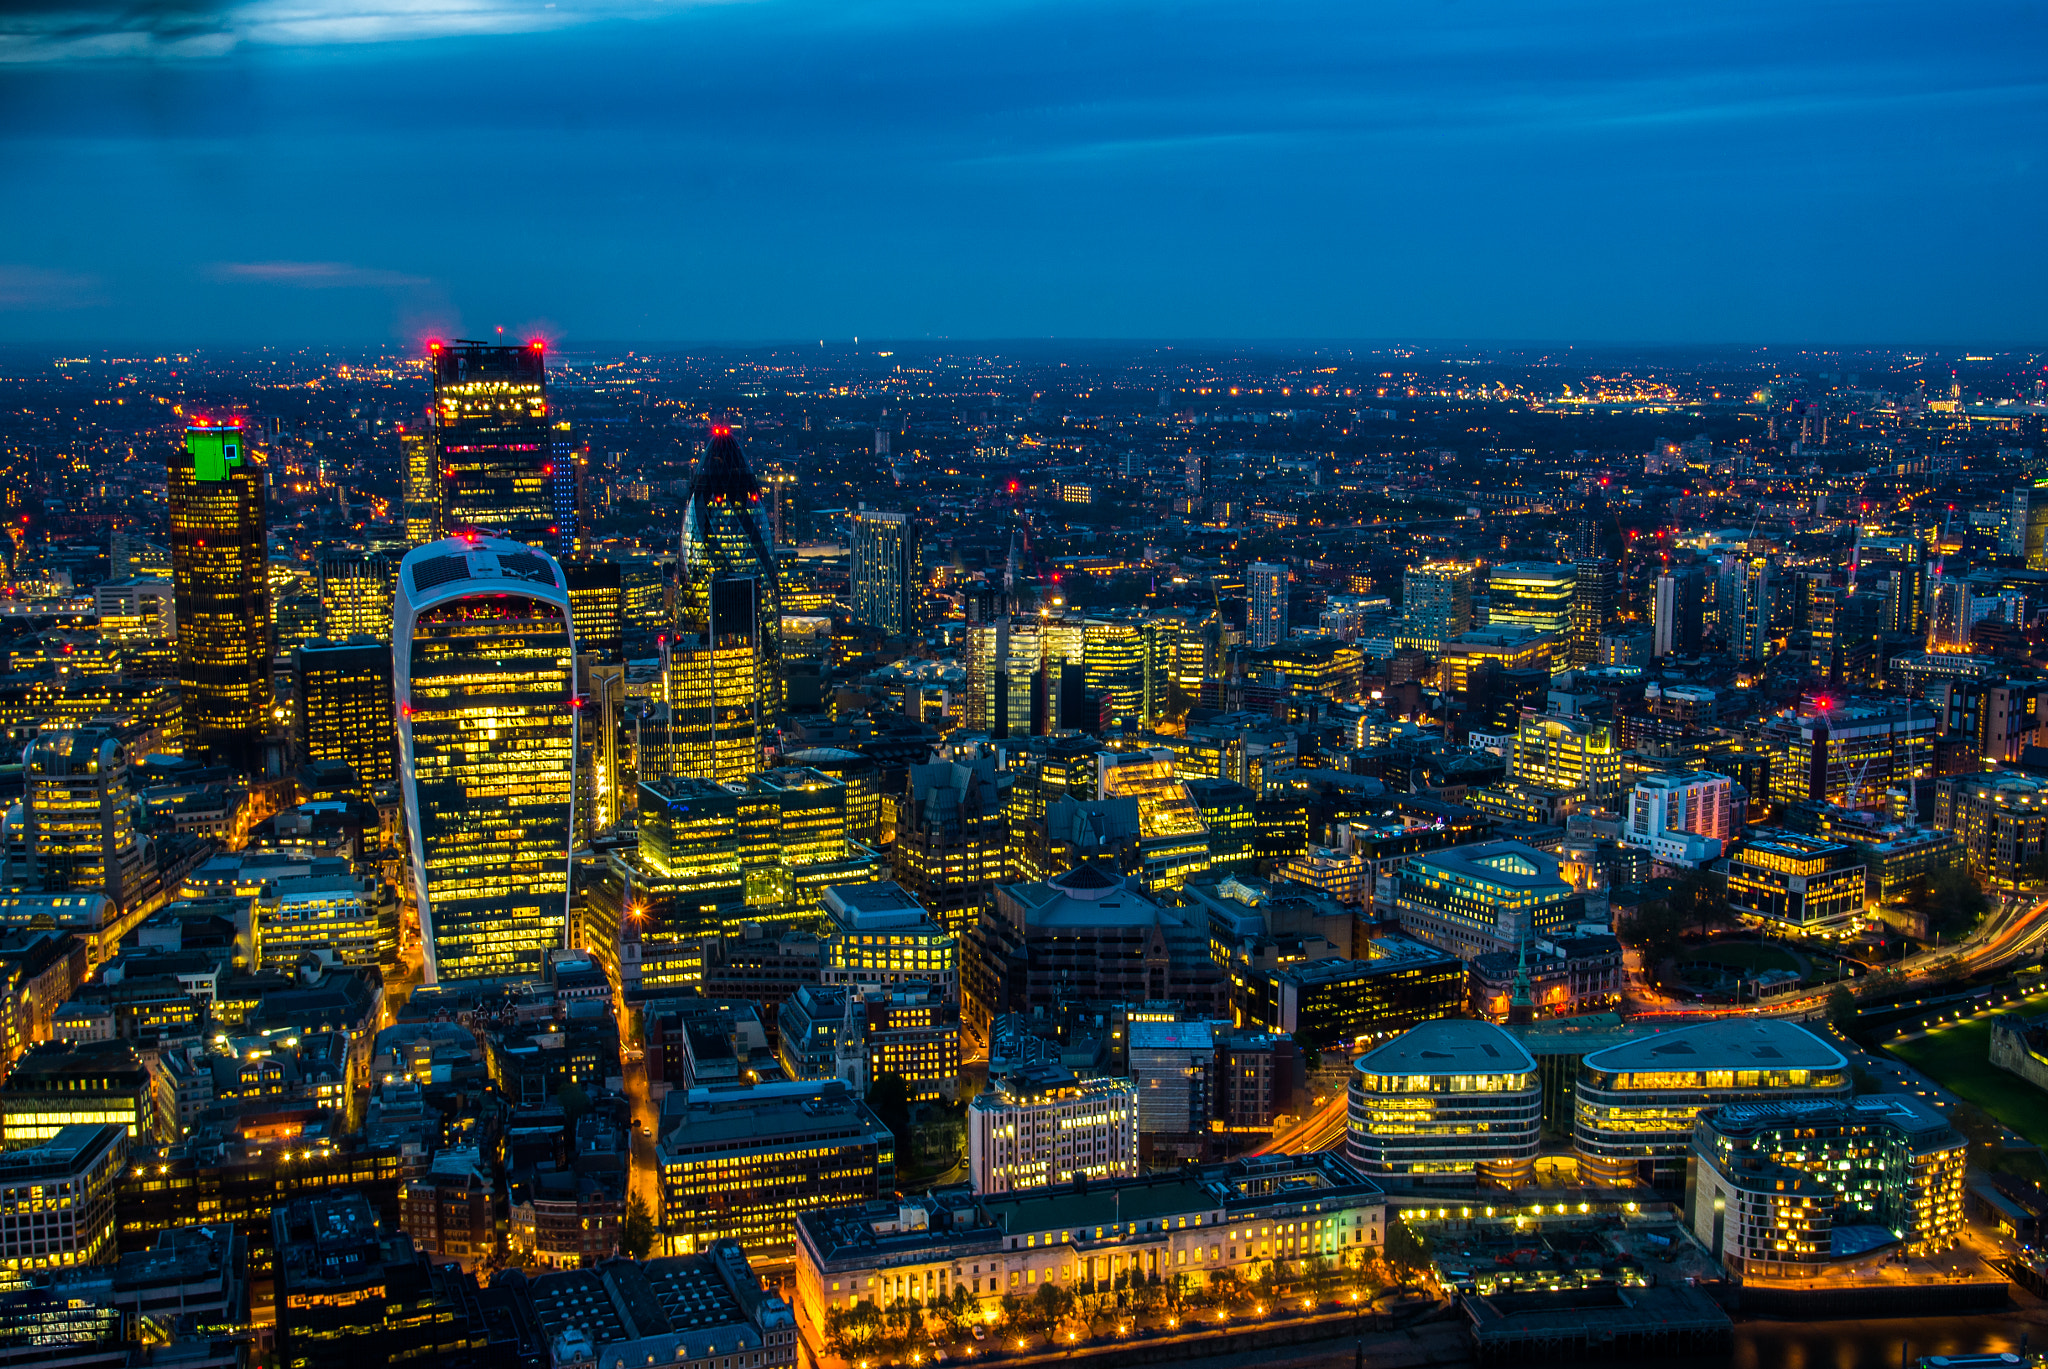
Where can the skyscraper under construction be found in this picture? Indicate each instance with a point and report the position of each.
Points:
(220, 583)
(505, 467)
(724, 660)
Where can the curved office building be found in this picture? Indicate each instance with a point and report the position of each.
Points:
(483, 658)
(1451, 1101)
(1635, 1104)
(728, 612)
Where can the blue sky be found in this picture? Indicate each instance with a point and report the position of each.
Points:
(646, 170)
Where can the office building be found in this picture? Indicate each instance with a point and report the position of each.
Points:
(1044, 1125)
(702, 1311)
(2000, 718)
(879, 934)
(1492, 896)
(1506, 649)
(859, 1033)
(1676, 612)
(1449, 1102)
(80, 819)
(1567, 753)
(220, 573)
(1532, 594)
(1266, 587)
(728, 605)
(422, 501)
(1636, 1102)
(483, 669)
(1188, 1226)
(1173, 841)
(1436, 604)
(505, 465)
(743, 1166)
(1847, 754)
(59, 1197)
(1792, 1190)
(1796, 884)
(952, 840)
(355, 594)
(1592, 601)
(1684, 819)
(597, 606)
(2001, 819)
(887, 586)
(1334, 1002)
(58, 1084)
(344, 708)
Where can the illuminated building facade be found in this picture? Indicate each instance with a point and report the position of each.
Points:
(879, 934)
(1848, 754)
(422, 487)
(1436, 604)
(1114, 661)
(221, 586)
(355, 594)
(59, 1084)
(597, 606)
(743, 1166)
(1337, 1002)
(1784, 1190)
(887, 584)
(505, 466)
(1635, 1103)
(483, 670)
(1492, 896)
(1567, 753)
(80, 817)
(1683, 819)
(1173, 841)
(714, 686)
(1592, 601)
(345, 710)
(1266, 587)
(59, 1199)
(952, 840)
(1449, 1101)
(1044, 1125)
(728, 602)
(1509, 648)
(1191, 1224)
(1532, 594)
(2001, 819)
(1796, 883)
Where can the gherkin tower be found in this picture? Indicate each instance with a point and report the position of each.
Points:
(725, 662)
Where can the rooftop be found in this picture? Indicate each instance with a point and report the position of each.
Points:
(1734, 1043)
(1449, 1046)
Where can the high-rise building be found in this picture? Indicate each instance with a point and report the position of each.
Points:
(422, 486)
(80, 817)
(1906, 601)
(1532, 594)
(2034, 537)
(345, 708)
(727, 596)
(1436, 604)
(1684, 819)
(1592, 602)
(220, 574)
(483, 662)
(597, 606)
(888, 594)
(1266, 585)
(1675, 612)
(713, 681)
(355, 594)
(1113, 655)
(505, 462)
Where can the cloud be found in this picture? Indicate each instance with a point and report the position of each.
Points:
(32, 287)
(313, 275)
(42, 31)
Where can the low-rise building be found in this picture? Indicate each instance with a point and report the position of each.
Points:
(63, 1083)
(1398, 985)
(1796, 883)
(1452, 1102)
(1784, 1190)
(879, 934)
(1567, 975)
(2000, 818)
(58, 1197)
(1492, 896)
(1192, 1223)
(1045, 1125)
(682, 1312)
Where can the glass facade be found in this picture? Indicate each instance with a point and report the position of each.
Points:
(345, 709)
(505, 466)
(727, 595)
(488, 727)
(220, 579)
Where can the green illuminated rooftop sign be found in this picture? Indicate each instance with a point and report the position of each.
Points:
(214, 451)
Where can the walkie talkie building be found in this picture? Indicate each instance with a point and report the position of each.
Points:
(483, 668)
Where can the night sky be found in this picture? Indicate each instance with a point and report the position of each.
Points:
(312, 170)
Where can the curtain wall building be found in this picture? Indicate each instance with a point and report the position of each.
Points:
(482, 667)
(505, 467)
(220, 578)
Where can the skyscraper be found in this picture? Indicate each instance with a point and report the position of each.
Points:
(1266, 585)
(1675, 612)
(422, 486)
(1436, 604)
(1532, 594)
(727, 597)
(344, 707)
(355, 594)
(505, 463)
(597, 604)
(80, 818)
(1592, 601)
(887, 595)
(483, 658)
(219, 575)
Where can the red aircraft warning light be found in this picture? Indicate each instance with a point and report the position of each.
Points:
(721, 430)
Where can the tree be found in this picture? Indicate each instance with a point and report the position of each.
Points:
(1406, 1251)
(572, 1100)
(1955, 901)
(637, 1236)
(1841, 1005)
(889, 1098)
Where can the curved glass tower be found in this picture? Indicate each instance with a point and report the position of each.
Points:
(483, 660)
(725, 662)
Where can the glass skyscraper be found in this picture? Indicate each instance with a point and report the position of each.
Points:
(220, 582)
(483, 660)
(887, 595)
(505, 463)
